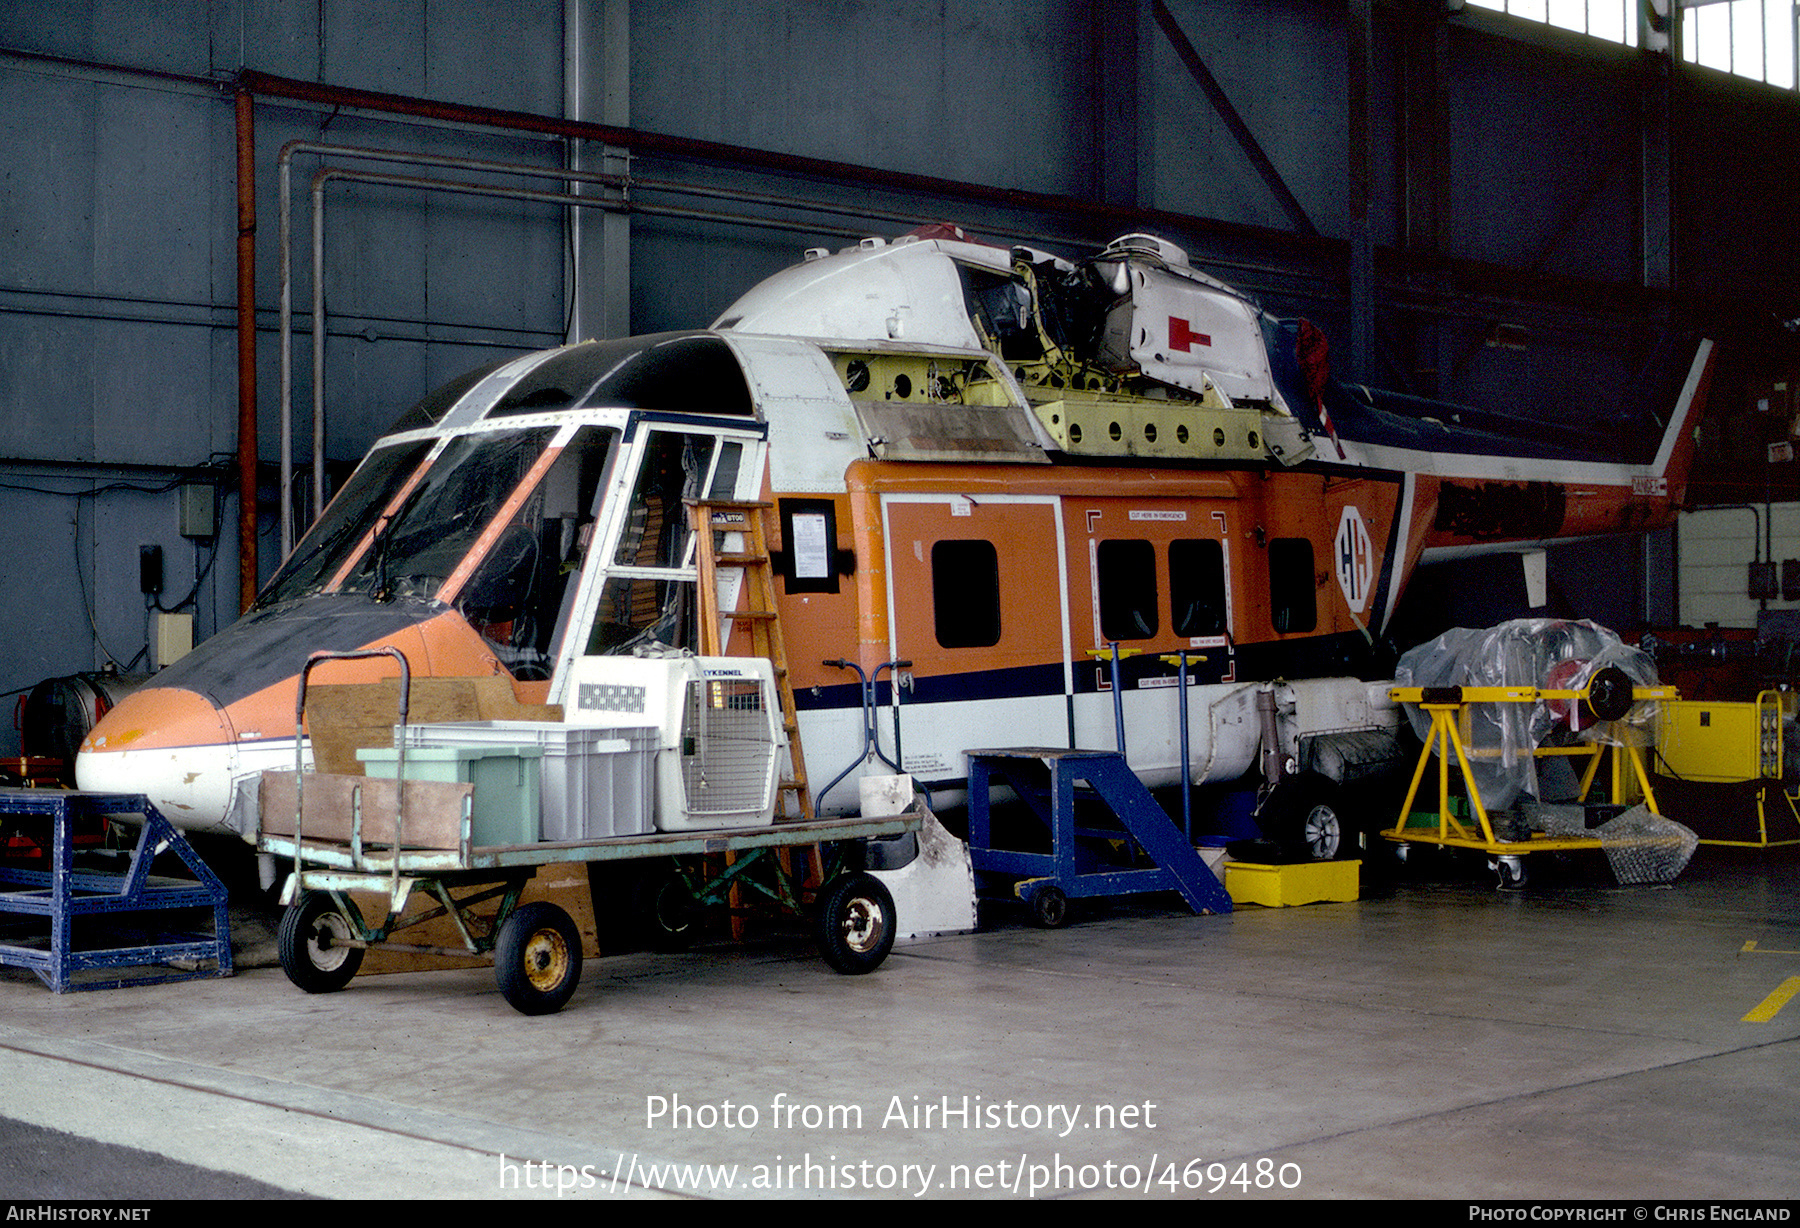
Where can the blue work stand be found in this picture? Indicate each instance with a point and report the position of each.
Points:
(1045, 779)
(66, 893)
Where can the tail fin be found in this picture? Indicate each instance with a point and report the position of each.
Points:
(1667, 474)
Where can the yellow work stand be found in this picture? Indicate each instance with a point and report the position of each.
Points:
(1448, 708)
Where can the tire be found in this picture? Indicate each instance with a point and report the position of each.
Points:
(537, 959)
(855, 923)
(1305, 816)
(311, 938)
(1049, 907)
(671, 918)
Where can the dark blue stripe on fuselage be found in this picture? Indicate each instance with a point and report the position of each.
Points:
(1324, 656)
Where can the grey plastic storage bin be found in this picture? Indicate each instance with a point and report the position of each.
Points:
(595, 782)
(504, 806)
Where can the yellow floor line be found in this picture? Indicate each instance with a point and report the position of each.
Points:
(1769, 1006)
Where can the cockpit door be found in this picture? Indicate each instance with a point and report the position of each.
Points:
(637, 589)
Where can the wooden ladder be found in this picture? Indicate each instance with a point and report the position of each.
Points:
(755, 607)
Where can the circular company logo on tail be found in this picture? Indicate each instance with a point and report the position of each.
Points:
(1355, 555)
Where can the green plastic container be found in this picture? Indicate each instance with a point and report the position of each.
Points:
(505, 803)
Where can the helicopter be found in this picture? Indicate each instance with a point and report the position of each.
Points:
(1057, 500)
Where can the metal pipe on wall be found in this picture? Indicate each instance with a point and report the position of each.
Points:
(329, 174)
(246, 345)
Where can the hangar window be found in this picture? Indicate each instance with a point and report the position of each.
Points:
(1749, 38)
(1293, 590)
(1197, 587)
(1613, 20)
(1126, 574)
(965, 593)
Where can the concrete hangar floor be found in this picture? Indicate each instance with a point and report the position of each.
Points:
(1436, 1039)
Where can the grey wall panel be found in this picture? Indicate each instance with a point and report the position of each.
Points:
(380, 46)
(46, 182)
(46, 617)
(1283, 68)
(1737, 146)
(169, 35)
(1544, 155)
(496, 53)
(46, 387)
(152, 395)
(988, 93)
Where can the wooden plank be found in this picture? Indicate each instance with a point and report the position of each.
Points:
(564, 885)
(433, 815)
(346, 717)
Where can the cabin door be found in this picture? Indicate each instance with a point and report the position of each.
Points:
(978, 602)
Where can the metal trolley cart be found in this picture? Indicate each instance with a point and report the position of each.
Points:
(1608, 697)
(355, 834)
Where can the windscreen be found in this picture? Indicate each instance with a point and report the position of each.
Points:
(419, 545)
(347, 520)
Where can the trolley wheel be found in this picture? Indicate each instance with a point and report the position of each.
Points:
(672, 916)
(537, 959)
(1305, 815)
(1509, 872)
(312, 942)
(855, 923)
(1049, 907)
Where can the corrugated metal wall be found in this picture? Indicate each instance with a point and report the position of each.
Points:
(1513, 149)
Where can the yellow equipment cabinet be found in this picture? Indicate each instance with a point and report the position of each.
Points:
(1721, 766)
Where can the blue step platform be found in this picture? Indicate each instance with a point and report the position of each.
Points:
(128, 902)
(1045, 779)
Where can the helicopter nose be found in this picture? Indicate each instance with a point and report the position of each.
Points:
(174, 746)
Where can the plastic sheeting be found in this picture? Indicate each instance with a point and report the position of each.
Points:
(1551, 654)
(1646, 848)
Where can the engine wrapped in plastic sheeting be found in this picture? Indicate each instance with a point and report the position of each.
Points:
(1546, 653)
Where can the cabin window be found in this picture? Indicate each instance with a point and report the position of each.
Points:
(1126, 573)
(1197, 587)
(684, 373)
(656, 535)
(965, 593)
(639, 611)
(518, 598)
(1293, 591)
(648, 598)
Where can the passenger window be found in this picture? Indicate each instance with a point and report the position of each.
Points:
(1293, 596)
(1197, 587)
(965, 593)
(1127, 578)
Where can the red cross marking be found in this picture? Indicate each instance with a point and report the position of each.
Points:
(1183, 337)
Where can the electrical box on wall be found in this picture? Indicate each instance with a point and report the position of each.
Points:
(197, 509)
(174, 638)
